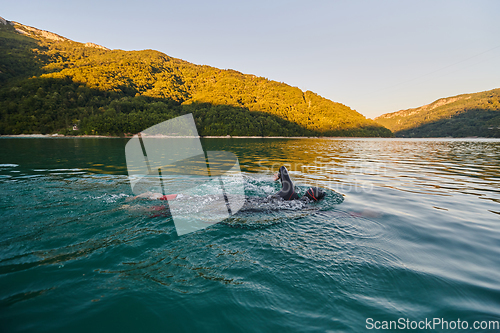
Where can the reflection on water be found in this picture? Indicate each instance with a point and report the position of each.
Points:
(417, 236)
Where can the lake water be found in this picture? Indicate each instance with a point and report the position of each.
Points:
(417, 237)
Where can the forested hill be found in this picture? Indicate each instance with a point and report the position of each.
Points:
(48, 83)
(465, 115)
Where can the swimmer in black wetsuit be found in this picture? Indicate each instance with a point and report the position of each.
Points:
(288, 190)
(286, 193)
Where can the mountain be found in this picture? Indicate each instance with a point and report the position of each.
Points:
(48, 83)
(476, 114)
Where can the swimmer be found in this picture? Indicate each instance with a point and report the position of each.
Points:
(286, 193)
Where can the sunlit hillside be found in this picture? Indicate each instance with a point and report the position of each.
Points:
(50, 83)
(464, 115)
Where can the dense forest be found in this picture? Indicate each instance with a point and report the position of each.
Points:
(49, 83)
(465, 115)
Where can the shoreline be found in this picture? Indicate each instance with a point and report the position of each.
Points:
(59, 136)
(162, 136)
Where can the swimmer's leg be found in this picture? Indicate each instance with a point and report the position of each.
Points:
(152, 196)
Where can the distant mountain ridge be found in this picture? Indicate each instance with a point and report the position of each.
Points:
(476, 114)
(49, 83)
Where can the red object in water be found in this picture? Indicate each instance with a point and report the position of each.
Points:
(168, 197)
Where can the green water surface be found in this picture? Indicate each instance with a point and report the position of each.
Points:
(417, 237)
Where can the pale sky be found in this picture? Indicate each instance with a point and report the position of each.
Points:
(373, 56)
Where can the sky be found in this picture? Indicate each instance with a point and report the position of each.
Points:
(373, 56)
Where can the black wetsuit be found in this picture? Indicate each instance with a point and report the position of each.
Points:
(288, 189)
